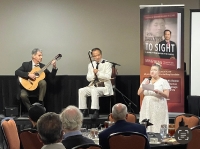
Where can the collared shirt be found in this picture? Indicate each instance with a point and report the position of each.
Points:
(101, 61)
(33, 64)
(54, 146)
(73, 133)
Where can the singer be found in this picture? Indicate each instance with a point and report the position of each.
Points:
(99, 72)
(154, 104)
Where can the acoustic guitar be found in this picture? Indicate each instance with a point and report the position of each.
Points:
(30, 84)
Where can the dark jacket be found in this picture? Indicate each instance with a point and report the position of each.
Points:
(120, 126)
(76, 140)
(26, 68)
(167, 54)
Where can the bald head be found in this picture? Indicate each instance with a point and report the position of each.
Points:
(119, 112)
(71, 118)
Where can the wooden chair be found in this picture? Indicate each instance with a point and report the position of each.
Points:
(194, 142)
(33, 97)
(10, 133)
(113, 82)
(189, 119)
(127, 140)
(130, 118)
(87, 146)
(29, 139)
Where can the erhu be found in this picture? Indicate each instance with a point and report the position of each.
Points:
(96, 81)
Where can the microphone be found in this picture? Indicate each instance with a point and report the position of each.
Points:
(90, 51)
(149, 78)
(115, 64)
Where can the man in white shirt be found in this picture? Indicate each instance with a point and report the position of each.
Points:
(98, 70)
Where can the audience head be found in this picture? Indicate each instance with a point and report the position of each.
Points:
(35, 111)
(71, 118)
(49, 127)
(119, 112)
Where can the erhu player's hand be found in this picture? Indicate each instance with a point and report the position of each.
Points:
(95, 71)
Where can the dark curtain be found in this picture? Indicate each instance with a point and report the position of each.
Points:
(63, 91)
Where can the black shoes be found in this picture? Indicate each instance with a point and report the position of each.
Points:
(41, 102)
(95, 115)
(85, 112)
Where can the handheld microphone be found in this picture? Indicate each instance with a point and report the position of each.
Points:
(115, 63)
(149, 78)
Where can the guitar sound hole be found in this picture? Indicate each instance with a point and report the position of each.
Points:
(37, 74)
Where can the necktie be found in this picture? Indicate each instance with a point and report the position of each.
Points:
(168, 43)
(97, 65)
(37, 65)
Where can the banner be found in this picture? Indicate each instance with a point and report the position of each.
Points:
(154, 20)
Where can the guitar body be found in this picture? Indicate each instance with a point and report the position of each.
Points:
(29, 84)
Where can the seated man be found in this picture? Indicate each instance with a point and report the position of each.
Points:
(34, 113)
(23, 72)
(119, 114)
(102, 71)
(72, 119)
(50, 131)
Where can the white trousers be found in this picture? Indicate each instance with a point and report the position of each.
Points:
(94, 92)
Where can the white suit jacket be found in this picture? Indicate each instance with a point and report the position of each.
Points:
(104, 74)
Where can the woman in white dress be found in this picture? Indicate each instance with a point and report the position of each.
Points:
(154, 105)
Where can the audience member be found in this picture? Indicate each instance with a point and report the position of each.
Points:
(49, 127)
(72, 119)
(119, 114)
(34, 113)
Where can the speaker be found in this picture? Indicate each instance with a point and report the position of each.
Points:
(11, 111)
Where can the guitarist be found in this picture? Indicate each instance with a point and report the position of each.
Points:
(102, 71)
(23, 72)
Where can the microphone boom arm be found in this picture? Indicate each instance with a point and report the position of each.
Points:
(124, 96)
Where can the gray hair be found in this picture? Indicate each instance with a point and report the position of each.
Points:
(119, 111)
(34, 51)
(71, 118)
(49, 127)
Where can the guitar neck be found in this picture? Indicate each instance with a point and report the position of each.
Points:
(45, 67)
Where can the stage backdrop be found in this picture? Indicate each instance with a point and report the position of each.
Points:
(154, 19)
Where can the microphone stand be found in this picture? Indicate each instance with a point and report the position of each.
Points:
(124, 97)
(130, 102)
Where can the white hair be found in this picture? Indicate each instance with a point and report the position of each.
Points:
(71, 118)
(119, 111)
